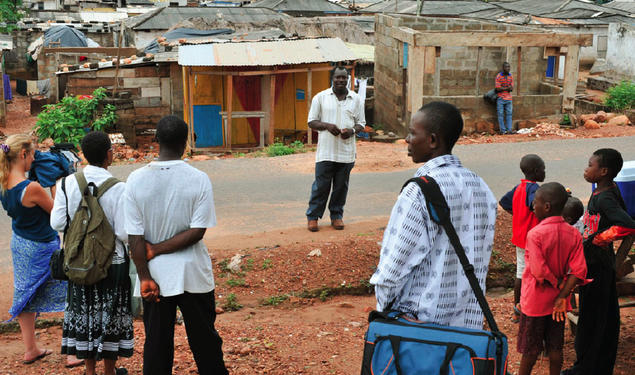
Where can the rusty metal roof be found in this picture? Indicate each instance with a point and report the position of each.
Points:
(266, 53)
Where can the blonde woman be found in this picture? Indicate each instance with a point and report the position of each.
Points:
(33, 242)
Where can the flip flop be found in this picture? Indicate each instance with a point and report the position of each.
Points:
(42, 355)
(80, 362)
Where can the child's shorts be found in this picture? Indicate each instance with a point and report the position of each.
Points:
(520, 262)
(538, 333)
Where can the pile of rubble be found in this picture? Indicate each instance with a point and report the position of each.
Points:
(546, 128)
(597, 120)
(125, 153)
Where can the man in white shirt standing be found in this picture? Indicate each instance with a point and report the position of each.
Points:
(337, 114)
(169, 204)
(419, 272)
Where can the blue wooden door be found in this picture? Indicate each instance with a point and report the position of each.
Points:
(551, 65)
(208, 125)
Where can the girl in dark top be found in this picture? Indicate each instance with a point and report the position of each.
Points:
(32, 244)
(605, 220)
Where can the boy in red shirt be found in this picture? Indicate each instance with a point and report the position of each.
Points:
(555, 264)
(519, 203)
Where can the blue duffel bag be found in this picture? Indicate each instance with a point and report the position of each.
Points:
(397, 345)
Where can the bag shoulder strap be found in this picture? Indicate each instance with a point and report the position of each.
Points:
(440, 213)
(68, 217)
(112, 181)
(81, 182)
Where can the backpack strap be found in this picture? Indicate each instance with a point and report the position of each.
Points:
(82, 183)
(112, 181)
(440, 214)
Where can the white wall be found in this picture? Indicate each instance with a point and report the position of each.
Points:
(621, 44)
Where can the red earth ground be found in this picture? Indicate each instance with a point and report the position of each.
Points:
(303, 314)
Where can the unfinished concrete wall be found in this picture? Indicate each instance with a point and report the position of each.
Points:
(619, 55)
(16, 64)
(462, 73)
(152, 92)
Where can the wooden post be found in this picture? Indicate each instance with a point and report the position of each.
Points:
(519, 58)
(416, 65)
(264, 107)
(556, 69)
(352, 88)
(114, 90)
(229, 87)
(309, 98)
(191, 86)
(272, 109)
(570, 83)
(477, 86)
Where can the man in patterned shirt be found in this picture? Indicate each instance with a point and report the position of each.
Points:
(419, 272)
(504, 88)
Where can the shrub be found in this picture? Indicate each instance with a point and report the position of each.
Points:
(621, 97)
(280, 149)
(231, 303)
(65, 121)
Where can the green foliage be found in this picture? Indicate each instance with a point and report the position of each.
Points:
(248, 266)
(280, 149)
(236, 282)
(565, 120)
(275, 300)
(231, 303)
(621, 97)
(223, 264)
(66, 120)
(324, 294)
(11, 11)
(267, 263)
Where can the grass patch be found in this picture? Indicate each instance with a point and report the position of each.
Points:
(266, 264)
(236, 282)
(248, 266)
(231, 303)
(275, 300)
(280, 149)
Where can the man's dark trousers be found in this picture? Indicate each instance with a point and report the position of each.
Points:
(199, 314)
(598, 330)
(329, 173)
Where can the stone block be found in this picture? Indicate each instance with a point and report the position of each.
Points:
(141, 82)
(148, 102)
(150, 92)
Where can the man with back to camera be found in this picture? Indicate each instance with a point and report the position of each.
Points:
(169, 205)
(337, 113)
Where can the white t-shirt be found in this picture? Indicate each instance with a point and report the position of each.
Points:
(163, 199)
(345, 113)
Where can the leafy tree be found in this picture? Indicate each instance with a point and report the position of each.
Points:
(11, 11)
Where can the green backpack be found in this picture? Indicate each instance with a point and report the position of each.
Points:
(90, 239)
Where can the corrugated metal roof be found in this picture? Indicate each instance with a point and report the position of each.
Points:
(431, 8)
(560, 8)
(626, 6)
(164, 18)
(364, 52)
(266, 53)
(300, 5)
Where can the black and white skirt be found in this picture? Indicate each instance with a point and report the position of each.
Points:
(98, 318)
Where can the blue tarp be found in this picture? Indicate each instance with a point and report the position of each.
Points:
(66, 36)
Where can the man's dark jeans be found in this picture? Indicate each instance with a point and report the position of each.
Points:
(199, 314)
(329, 173)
